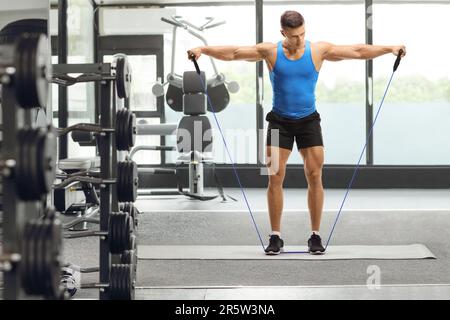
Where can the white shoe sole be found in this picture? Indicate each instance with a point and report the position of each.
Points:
(273, 253)
(316, 252)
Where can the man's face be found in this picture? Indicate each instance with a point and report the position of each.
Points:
(295, 37)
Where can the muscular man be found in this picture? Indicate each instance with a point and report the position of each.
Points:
(294, 66)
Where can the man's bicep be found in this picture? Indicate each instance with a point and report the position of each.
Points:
(337, 52)
(250, 53)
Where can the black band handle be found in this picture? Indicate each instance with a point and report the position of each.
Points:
(192, 57)
(397, 61)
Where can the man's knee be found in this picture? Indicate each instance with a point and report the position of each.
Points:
(276, 180)
(314, 176)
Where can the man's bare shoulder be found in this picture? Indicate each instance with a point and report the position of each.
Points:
(321, 45)
(266, 48)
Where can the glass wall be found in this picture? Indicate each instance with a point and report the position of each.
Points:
(413, 125)
(340, 93)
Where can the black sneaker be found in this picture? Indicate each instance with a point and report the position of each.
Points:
(315, 245)
(275, 245)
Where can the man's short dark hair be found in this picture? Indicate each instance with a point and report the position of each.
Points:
(291, 19)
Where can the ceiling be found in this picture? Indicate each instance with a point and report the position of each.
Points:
(151, 2)
(172, 2)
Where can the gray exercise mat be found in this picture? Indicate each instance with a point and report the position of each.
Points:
(185, 252)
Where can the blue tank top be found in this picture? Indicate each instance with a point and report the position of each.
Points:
(293, 84)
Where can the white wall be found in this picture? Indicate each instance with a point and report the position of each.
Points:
(115, 21)
(23, 9)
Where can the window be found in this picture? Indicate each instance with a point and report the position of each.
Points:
(412, 128)
(143, 76)
(81, 96)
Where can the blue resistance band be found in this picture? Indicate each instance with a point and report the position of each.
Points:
(396, 64)
(229, 155)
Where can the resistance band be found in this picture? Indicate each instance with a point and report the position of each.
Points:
(396, 64)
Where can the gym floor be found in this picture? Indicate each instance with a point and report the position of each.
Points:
(369, 217)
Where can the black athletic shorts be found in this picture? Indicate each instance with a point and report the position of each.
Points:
(306, 131)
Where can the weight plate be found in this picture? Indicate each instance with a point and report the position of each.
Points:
(129, 224)
(122, 278)
(32, 165)
(26, 271)
(119, 232)
(36, 261)
(112, 233)
(29, 283)
(115, 282)
(46, 259)
(125, 124)
(122, 227)
(131, 130)
(41, 264)
(20, 85)
(36, 163)
(134, 181)
(120, 134)
(127, 257)
(126, 207)
(132, 210)
(130, 280)
(127, 181)
(123, 77)
(32, 71)
(52, 253)
(47, 156)
(121, 192)
(130, 256)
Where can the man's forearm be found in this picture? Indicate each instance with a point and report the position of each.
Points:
(371, 51)
(225, 53)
